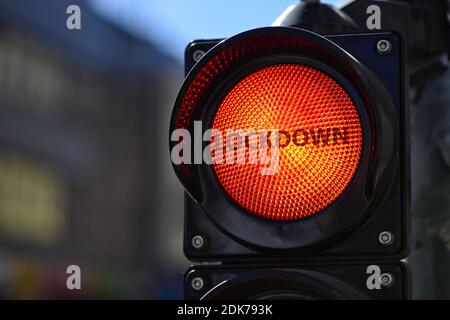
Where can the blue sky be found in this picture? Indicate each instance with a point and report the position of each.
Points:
(174, 23)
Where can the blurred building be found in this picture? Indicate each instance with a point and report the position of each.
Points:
(82, 178)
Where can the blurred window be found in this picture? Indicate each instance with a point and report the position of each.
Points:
(31, 201)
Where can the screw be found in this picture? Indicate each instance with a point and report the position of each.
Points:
(198, 54)
(198, 241)
(387, 279)
(197, 283)
(384, 46)
(386, 238)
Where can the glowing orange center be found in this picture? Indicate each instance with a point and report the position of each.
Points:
(313, 111)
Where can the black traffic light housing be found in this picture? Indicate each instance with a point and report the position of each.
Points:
(381, 234)
(327, 255)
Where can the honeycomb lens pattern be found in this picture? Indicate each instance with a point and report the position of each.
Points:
(254, 44)
(223, 60)
(316, 162)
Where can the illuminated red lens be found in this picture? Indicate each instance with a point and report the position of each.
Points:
(316, 114)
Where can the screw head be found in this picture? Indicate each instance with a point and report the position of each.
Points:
(197, 55)
(198, 241)
(386, 238)
(384, 46)
(387, 279)
(197, 283)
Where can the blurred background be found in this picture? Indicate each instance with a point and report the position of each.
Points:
(85, 172)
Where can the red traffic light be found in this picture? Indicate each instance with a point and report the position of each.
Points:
(320, 140)
(291, 147)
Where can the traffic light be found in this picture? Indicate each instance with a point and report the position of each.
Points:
(293, 150)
